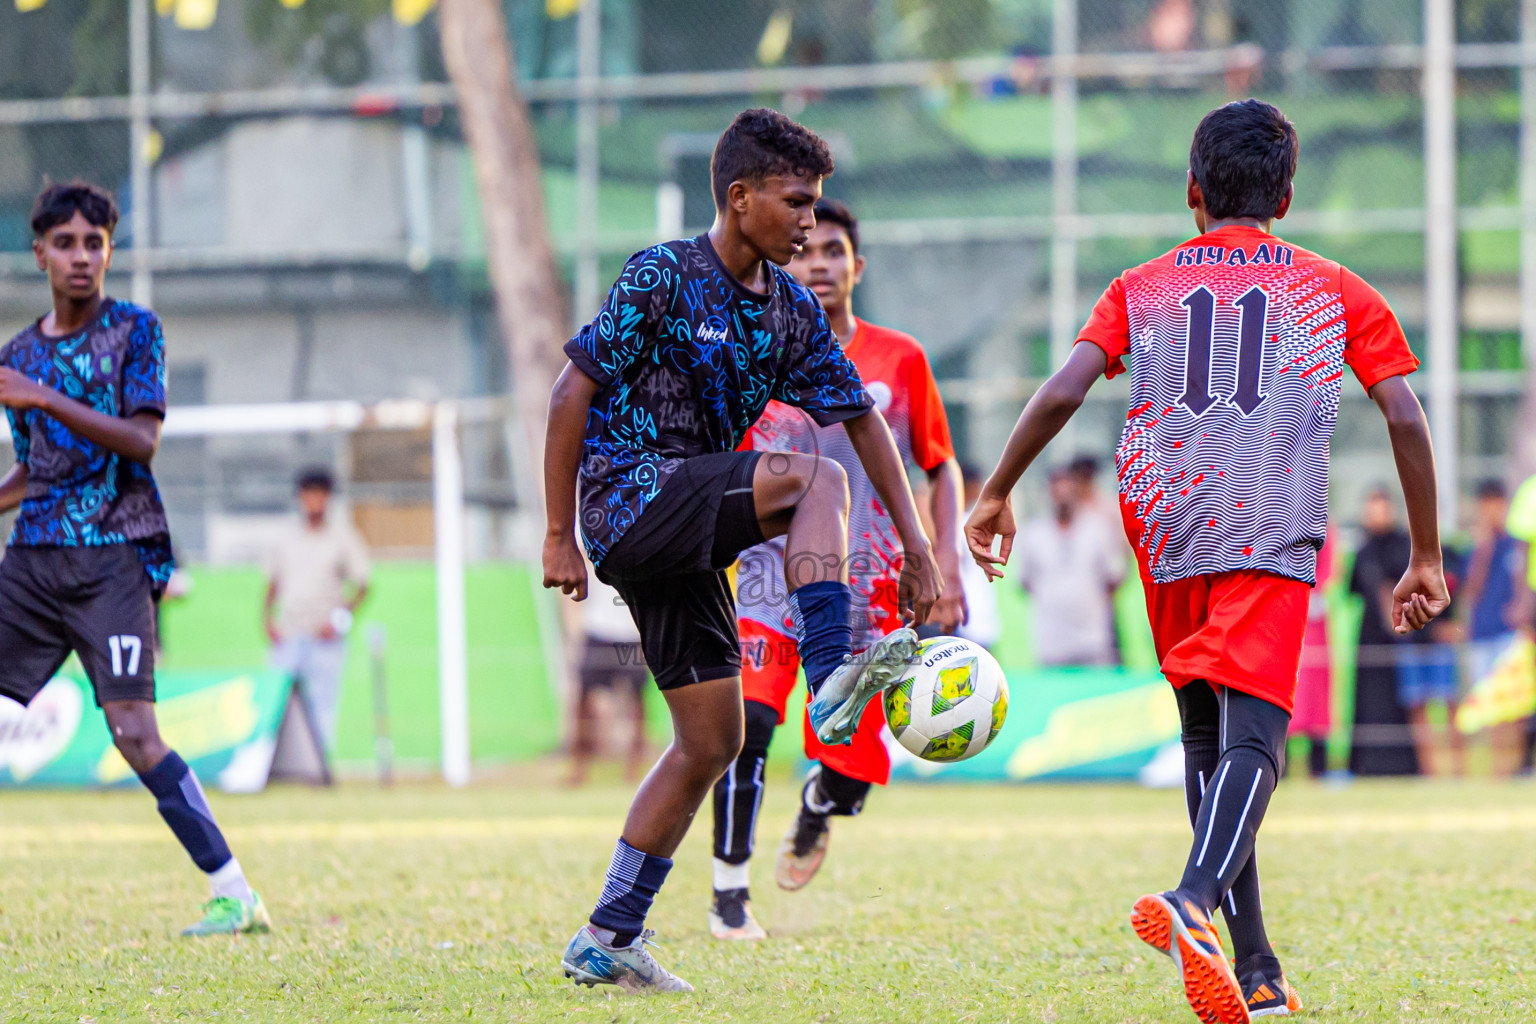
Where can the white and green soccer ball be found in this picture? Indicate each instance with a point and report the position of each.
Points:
(951, 701)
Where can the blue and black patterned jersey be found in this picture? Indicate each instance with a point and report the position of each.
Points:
(79, 494)
(687, 357)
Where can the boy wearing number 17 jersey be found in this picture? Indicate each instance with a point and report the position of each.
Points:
(83, 388)
(1238, 342)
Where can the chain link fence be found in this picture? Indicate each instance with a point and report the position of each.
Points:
(313, 229)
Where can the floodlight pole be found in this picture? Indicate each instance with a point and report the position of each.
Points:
(1440, 236)
(452, 644)
(138, 145)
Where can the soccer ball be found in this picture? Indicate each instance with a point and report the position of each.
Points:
(951, 701)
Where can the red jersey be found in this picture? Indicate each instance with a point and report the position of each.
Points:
(1238, 341)
(895, 372)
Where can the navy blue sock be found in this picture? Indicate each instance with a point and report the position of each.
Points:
(185, 809)
(634, 878)
(821, 612)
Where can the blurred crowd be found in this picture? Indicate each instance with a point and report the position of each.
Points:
(1416, 699)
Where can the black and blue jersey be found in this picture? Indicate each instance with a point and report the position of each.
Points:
(687, 358)
(78, 493)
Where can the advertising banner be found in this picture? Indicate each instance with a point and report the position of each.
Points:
(1071, 724)
(224, 724)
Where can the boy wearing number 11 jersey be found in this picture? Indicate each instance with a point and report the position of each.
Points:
(1238, 342)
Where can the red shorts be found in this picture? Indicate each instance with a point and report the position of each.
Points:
(1240, 629)
(770, 669)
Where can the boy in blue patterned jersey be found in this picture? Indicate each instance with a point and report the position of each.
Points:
(696, 337)
(84, 390)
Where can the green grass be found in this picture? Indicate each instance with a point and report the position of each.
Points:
(1388, 902)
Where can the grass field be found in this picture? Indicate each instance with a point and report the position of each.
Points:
(1388, 902)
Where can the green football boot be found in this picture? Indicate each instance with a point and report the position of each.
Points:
(225, 915)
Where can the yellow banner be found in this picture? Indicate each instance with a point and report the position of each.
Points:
(409, 12)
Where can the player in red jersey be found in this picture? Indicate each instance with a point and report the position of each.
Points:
(1238, 342)
(895, 371)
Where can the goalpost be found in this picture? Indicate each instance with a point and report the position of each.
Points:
(446, 421)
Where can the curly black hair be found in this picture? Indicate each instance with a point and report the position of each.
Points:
(59, 202)
(761, 143)
(1244, 157)
(833, 211)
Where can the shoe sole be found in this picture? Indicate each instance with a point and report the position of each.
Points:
(791, 878)
(1210, 986)
(720, 930)
(590, 980)
(581, 977)
(1292, 1005)
(886, 654)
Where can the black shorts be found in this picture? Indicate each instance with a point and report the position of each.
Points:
(669, 567)
(612, 664)
(95, 601)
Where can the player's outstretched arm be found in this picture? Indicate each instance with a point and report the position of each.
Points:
(137, 437)
(1421, 594)
(871, 438)
(1042, 419)
(569, 402)
(13, 487)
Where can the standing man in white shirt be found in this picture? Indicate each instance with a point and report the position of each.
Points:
(317, 575)
(1072, 564)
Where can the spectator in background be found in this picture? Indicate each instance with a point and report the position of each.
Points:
(317, 575)
(1495, 578)
(1085, 470)
(984, 624)
(1426, 674)
(1381, 743)
(1313, 714)
(1071, 562)
(610, 660)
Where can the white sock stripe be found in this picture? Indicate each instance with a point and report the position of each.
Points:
(192, 791)
(1211, 821)
(757, 804)
(623, 870)
(1232, 902)
(1258, 775)
(730, 807)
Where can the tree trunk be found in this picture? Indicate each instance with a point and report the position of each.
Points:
(529, 303)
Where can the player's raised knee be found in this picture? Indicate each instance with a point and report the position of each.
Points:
(828, 483)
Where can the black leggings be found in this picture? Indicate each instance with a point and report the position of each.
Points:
(1234, 751)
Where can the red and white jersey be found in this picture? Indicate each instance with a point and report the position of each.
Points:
(895, 371)
(1237, 341)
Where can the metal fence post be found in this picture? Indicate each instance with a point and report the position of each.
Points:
(1440, 238)
(138, 145)
(1063, 180)
(452, 644)
(1528, 182)
(589, 64)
